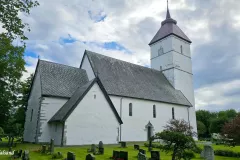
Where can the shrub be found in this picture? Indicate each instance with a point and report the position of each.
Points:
(226, 153)
(188, 155)
(197, 149)
(1, 131)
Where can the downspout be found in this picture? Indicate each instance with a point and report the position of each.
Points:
(121, 118)
(63, 126)
(188, 117)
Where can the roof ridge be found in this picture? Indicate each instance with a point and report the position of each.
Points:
(87, 51)
(60, 64)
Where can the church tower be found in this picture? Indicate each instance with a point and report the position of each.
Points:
(170, 53)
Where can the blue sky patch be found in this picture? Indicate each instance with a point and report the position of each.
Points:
(29, 53)
(100, 16)
(65, 40)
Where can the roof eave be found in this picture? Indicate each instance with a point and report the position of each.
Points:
(188, 40)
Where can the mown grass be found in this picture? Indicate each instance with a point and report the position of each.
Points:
(81, 152)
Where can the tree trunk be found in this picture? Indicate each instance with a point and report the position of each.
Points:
(174, 153)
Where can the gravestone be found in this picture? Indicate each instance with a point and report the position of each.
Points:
(92, 149)
(208, 152)
(142, 151)
(71, 156)
(20, 153)
(141, 156)
(123, 144)
(136, 147)
(44, 149)
(25, 155)
(52, 146)
(100, 148)
(150, 145)
(115, 154)
(15, 154)
(90, 157)
(123, 155)
(155, 155)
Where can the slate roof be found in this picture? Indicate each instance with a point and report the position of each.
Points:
(169, 27)
(63, 113)
(60, 80)
(129, 80)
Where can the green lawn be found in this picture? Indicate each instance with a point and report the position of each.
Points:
(81, 152)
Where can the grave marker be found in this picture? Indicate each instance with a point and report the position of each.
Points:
(155, 155)
(208, 152)
(25, 155)
(71, 156)
(90, 157)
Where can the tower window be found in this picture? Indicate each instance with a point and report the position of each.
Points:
(154, 111)
(130, 109)
(173, 114)
(181, 49)
(95, 96)
(160, 51)
(31, 115)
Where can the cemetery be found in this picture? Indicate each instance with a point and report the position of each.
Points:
(101, 151)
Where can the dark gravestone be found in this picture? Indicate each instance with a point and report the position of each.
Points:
(100, 145)
(123, 155)
(141, 156)
(15, 154)
(142, 151)
(90, 157)
(150, 145)
(136, 147)
(44, 149)
(115, 154)
(155, 155)
(52, 146)
(123, 144)
(101, 150)
(25, 155)
(71, 156)
(20, 153)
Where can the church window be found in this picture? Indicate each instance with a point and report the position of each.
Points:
(181, 49)
(130, 109)
(160, 51)
(154, 111)
(31, 115)
(173, 114)
(95, 96)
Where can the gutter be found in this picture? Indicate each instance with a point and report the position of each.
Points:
(188, 117)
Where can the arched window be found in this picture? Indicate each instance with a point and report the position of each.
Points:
(160, 51)
(130, 109)
(181, 49)
(154, 111)
(31, 115)
(173, 114)
(95, 96)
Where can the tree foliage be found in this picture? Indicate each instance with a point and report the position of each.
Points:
(11, 69)
(9, 17)
(178, 138)
(217, 124)
(201, 128)
(232, 129)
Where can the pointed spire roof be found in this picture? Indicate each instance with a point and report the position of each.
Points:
(169, 27)
(168, 13)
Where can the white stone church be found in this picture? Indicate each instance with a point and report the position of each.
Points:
(110, 100)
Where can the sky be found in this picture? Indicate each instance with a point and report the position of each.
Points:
(61, 31)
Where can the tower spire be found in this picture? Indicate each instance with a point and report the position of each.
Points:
(168, 13)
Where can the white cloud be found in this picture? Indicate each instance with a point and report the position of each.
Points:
(219, 94)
